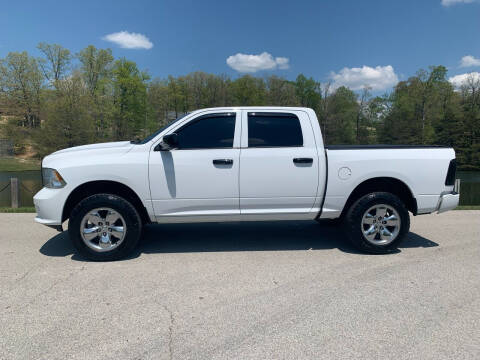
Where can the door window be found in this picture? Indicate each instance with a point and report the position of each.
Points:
(274, 130)
(208, 132)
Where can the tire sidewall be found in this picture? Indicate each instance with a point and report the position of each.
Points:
(124, 208)
(355, 215)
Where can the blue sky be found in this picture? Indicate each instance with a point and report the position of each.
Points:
(348, 42)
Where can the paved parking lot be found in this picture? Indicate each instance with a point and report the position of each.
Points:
(243, 291)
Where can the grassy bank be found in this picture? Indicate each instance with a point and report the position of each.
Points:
(468, 207)
(15, 164)
(18, 210)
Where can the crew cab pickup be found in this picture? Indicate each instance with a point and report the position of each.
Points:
(241, 164)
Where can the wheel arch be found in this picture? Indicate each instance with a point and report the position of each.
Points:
(384, 184)
(104, 186)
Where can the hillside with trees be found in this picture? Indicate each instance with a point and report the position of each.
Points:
(63, 99)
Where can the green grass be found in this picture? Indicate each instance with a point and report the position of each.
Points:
(468, 207)
(15, 164)
(18, 210)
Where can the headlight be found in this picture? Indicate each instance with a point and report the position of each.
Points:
(52, 179)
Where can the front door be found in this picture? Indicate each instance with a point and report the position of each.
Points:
(199, 178)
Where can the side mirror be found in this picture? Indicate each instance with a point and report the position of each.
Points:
(169, 142)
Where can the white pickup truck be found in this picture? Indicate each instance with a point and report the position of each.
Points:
(240, 164)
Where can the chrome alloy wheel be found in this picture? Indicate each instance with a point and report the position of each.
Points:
(380, 224)
(103, 229)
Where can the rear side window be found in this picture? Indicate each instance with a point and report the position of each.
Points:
(274, 130)
(208, 132)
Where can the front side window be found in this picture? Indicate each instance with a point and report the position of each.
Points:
(274, 130)
(208, 132)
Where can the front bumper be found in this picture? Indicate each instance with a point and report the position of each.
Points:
(49, 206)
(448, 202)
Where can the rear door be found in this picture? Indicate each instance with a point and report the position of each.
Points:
(278, 163)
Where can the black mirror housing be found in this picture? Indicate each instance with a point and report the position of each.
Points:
(169, 142)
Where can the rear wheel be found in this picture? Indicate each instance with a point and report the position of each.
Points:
(377, 222)
(104, 227)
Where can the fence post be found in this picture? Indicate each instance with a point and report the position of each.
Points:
(15, 192)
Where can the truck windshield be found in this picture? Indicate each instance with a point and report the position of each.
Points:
(150, 137)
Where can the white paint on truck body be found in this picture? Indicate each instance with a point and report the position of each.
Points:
(261, 183)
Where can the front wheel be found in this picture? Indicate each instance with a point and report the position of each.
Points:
(377, 222)
(104, 227)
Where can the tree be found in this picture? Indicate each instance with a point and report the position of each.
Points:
(281, 92)
(308, 92)
(416, 108)
(376, 111)
(471, 105)
(21, 80)
(130, 100)
(361, 131)
(68, 121)
(157, 99)
(175, 96)
(96, 71)
(248, 91)
(468, 144)
(323, 112)
(96, 66)
(429, 83)
(56, 62)
(343, 113)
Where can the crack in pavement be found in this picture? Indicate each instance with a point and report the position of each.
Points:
(170, 332)
(55, 283)
(170, 336)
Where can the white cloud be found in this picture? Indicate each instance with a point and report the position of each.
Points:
(469, 61)
(378, 78)
(454, 2)
(282, 63)
(463, 79)
(129, 40)
(252, 63)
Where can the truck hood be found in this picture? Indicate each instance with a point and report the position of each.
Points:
(74, 155)
(109, 145)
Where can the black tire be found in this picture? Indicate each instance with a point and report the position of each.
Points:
(353, 222)
(124, 208)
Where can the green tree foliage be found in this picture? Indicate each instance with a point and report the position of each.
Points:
(59, 100)
(68, 120)
(467, 136)
(308, 92)
(343, 108)
(248, 91)
(21, 80)
(157, 100)
(129, 100)
(96, 67)
(96, 71)
(281, 92)
(417, 107)
(55, 62)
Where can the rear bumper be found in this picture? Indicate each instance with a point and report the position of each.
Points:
(448, 202)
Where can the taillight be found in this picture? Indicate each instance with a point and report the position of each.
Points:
(452, 170)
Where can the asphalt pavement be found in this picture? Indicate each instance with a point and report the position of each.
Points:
(267, 290)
